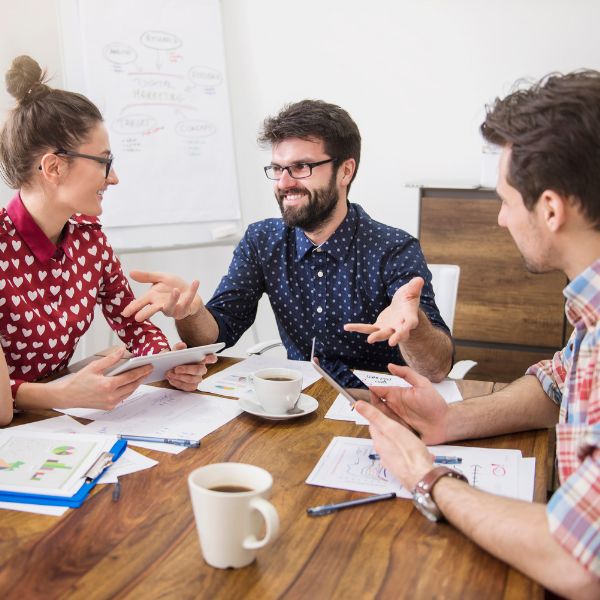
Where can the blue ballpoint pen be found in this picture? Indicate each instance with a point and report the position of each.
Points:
(441, 460)
(145, 438)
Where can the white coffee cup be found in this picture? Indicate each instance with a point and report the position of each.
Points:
(276, 390)
(229, 522)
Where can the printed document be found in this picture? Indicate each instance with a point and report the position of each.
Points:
(346, 465)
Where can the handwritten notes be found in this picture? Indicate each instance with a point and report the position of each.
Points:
(346, 465)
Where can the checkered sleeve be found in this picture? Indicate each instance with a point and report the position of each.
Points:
(552, 372)
(574, 510)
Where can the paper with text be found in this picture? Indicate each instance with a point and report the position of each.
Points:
(346, 465)
(165, 413)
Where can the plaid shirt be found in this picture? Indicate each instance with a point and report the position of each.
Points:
(572, 379)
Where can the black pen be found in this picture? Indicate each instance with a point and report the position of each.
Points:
(318, 511)
(117, 491)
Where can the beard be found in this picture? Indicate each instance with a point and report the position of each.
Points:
(315, 213)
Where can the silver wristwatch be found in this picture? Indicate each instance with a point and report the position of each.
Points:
(422, 498)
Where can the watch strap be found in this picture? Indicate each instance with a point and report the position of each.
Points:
(425, 486)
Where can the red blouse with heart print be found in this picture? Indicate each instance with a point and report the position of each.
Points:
(48, 294)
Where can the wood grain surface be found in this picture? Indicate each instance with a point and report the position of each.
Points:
(145, 545)
(519, 314)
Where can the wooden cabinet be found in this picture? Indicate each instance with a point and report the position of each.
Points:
(506, 318)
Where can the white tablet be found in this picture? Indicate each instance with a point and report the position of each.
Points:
(166, 361)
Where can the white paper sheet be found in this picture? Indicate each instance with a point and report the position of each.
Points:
(232, 381)
(40, 509)
(527, 478)
(346, 465)
(62, 424)
(165, 413)
(447, 388)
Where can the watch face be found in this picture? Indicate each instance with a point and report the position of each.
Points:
(427, 507)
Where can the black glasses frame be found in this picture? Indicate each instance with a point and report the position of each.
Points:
(105, 160)
(269, 169)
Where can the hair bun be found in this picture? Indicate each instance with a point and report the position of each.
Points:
(25, 80)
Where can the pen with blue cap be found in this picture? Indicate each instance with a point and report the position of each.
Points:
(147, 438)
(439, 459)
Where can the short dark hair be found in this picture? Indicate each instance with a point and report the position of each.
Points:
(44, 118)
(315, 119)
(553, 129)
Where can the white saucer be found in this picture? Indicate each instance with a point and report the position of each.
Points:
(306, 405)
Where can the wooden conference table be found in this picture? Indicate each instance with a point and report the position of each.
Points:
(146, 546)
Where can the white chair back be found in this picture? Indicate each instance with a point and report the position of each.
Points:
(444, 279)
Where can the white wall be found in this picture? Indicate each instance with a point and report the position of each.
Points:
(415, 76)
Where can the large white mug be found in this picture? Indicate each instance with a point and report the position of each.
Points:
(230, 507)
(276, 390)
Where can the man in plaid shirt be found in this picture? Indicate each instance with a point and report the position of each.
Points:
(549, 183)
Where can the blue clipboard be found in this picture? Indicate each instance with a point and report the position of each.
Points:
(74, 501)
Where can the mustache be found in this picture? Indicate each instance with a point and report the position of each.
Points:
(296, 190)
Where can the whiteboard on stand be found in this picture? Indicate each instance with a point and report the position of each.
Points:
(156, 71)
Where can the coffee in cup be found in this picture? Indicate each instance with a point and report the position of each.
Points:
(276, 390)
(231, 510)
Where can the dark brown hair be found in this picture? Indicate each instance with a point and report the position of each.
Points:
(44, 119)
(553, 129)
(315, 119)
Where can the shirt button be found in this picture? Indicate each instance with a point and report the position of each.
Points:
(320, 274)
(318, 250)
(319, 309)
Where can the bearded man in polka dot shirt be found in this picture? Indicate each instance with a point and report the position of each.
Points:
(329, 270)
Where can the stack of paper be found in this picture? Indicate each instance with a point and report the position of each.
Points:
(346, 465)
(341, 410)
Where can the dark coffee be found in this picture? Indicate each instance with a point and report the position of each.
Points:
(230, 489)
(278, 378)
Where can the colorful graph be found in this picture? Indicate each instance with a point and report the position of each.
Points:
(49, 465)
(63, 450)
(6, 466)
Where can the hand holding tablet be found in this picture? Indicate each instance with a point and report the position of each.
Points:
(166, 361)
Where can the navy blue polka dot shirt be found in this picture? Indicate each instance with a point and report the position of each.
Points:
(314, 290)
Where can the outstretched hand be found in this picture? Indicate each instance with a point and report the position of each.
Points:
(168, 294)
(395, 322)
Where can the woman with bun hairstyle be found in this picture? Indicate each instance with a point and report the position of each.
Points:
(55, 261)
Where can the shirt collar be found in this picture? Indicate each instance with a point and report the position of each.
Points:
(583, 297)
(338, 244)
(37, 241)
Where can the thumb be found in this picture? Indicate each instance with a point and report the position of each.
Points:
(145, 276)
(414, 287)
(100, 365)
(179, 346)
(375, 417)
(408, 375)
